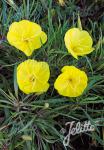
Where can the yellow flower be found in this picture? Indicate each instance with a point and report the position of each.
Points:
(26, 36)
(61, 2)
(33, 76)
(71, 82)
(78, 42)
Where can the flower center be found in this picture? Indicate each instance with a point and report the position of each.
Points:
(75, 49)
(70, 80)
(32, 78)
(26, 41)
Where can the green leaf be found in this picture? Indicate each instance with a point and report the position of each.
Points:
(79, 22)
(15, 81)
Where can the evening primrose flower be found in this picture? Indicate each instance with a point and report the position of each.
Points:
(61, 2)
(71, 82)
(78, 42)
(26, 36)
(33, 76)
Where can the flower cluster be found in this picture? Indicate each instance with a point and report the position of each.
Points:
(33, 76)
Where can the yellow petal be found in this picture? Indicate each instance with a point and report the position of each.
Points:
(37, 41)
(41, 70)
(73, 53)
(70, 35)
(69, 68)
